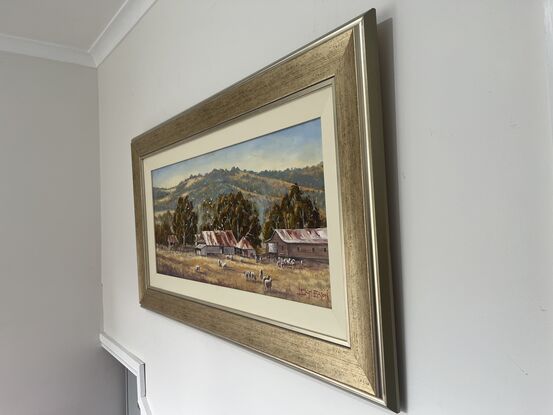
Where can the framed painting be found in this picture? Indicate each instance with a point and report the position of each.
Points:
(261, 215)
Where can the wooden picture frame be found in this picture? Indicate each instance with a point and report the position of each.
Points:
(345, 63)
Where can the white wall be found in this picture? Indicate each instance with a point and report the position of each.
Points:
(470, 164)
(50, 294)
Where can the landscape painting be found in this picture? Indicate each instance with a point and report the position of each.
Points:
(250, 216)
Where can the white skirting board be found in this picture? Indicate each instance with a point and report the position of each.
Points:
(136, 366)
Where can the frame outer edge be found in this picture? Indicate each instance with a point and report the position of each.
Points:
(138, 222)
(387, 333)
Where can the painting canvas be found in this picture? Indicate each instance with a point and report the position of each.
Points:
(249, 216)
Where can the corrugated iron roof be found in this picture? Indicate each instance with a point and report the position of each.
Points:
(219, 238)
(305, 236)
(244, 244)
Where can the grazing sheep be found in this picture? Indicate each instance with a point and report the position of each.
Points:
(267, 283)
(223, 265)
(250, 276)
(286, 261)
(219, 263)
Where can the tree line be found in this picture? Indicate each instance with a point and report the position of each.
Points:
(235, 212)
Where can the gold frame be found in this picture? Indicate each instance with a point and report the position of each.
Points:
(349, 58)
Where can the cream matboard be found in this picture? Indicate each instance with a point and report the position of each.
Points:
(330, 324)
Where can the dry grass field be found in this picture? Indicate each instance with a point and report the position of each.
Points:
(308, 283)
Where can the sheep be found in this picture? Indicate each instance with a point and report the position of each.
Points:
(250, 276)
(267, 283)
(197, 268)
(288, 261)
(281, 262)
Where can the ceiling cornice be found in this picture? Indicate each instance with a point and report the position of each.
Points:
(128, 15)
(45, 50)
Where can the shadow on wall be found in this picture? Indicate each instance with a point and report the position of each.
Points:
(387, 80)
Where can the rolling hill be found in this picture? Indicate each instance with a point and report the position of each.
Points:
(263, 188)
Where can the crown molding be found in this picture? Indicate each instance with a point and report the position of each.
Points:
(128, 15)
(45, 50)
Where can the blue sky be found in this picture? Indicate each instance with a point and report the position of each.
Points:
(296, 146)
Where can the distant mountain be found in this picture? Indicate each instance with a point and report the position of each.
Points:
(263, 188)
(311, 176)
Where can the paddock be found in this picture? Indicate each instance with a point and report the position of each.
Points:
(308, 283)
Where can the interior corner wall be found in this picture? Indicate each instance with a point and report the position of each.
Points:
(470, 158)
(51, 362)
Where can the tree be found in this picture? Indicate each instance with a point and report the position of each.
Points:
(295, 210)
(274, 219)
(209, 214)
(232, 211)
(185, 221)
(162, 228)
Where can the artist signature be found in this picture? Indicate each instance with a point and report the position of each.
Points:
(322, 295)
